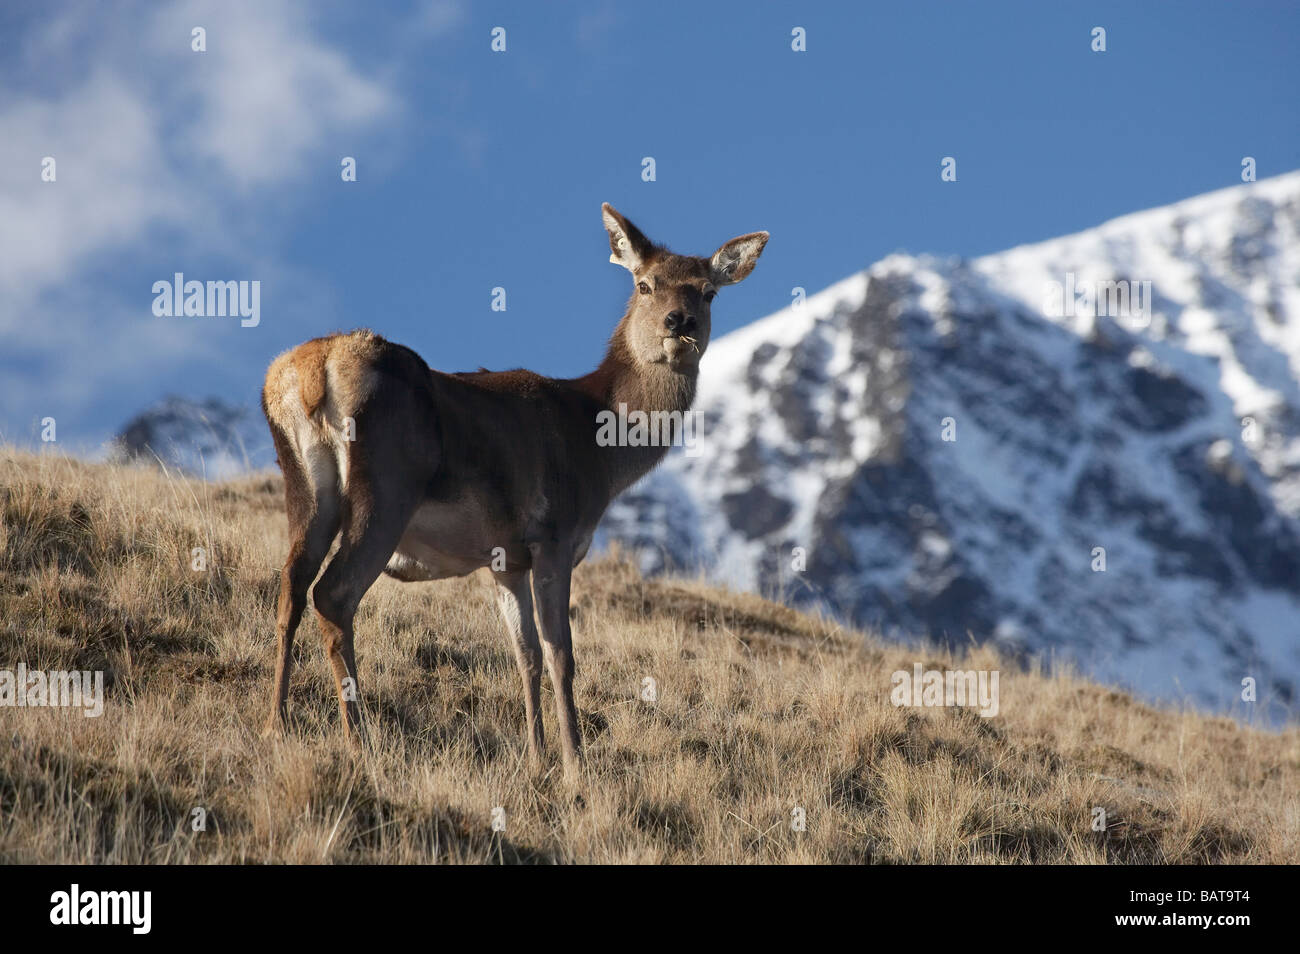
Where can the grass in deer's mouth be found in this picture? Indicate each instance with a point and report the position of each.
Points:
(757, 711)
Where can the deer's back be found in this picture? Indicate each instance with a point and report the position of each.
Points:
(495, 457)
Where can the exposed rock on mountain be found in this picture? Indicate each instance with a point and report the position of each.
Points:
(958, 448)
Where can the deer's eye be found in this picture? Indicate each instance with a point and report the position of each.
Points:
(708, 295)
(643, 288)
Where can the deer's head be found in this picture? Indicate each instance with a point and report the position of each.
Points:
(667, 320)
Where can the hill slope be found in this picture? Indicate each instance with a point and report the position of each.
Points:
(760, 710)
(954, 446)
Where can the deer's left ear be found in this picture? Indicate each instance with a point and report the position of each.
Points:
(736, 258)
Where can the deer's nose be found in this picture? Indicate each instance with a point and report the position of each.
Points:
(680, 322)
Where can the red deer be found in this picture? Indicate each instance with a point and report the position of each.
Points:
(425, 475)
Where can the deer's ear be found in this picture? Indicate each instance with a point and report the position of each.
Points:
(736, 258)
(627, 246)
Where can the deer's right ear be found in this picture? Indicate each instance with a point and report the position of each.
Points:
(627, 246)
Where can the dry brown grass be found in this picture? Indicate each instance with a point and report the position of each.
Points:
(760, 709)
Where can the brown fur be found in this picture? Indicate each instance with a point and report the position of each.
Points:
(309, 363)
(426, 475)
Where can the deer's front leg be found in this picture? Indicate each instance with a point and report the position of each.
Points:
(551, 575)
(515, 599)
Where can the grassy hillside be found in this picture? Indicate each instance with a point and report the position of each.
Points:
(760, 710)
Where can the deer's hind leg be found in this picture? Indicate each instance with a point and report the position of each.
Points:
(313, 512)
(372, 527)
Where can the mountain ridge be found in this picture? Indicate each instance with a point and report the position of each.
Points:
(1171, 442)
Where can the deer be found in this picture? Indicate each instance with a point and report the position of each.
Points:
(425, 475)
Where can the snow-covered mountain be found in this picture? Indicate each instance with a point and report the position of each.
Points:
(207, 438)
(952, 448)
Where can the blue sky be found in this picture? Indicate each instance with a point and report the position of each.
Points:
(479, 169)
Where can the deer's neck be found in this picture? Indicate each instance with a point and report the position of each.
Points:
(622, 380)
(623, 386)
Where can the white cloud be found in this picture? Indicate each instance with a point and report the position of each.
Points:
(111, 181)
(266, 92)
(157, 146)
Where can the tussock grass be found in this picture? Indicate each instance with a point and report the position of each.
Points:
(760, 710)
